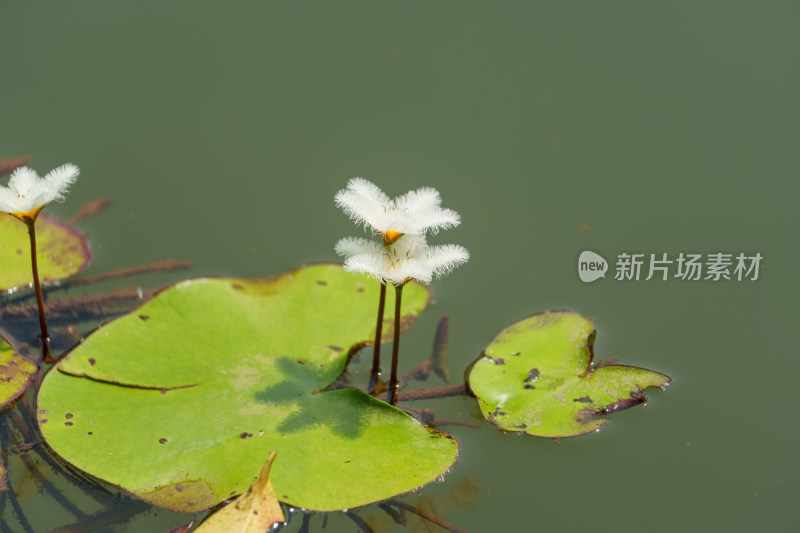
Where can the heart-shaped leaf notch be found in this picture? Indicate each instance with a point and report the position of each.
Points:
(536, 377)
(181, 401)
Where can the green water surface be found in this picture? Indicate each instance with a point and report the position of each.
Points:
(223, 131)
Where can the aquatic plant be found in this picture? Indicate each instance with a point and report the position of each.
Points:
(24, 198)
(266, 363)
(408, 258)
(403, 254)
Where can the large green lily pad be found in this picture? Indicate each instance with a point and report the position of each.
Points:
(536, 378)
(182, 400)
(16, 373)
(61, 251)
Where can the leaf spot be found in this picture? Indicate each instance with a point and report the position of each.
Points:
(533, 375)
(144, 317)
(162, 440)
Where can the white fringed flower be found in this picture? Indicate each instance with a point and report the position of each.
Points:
(415, 213)
(27, 193)
(409, 257)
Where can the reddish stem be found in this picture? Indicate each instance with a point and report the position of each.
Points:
(39, 300)
(376, 352)
(395, 345)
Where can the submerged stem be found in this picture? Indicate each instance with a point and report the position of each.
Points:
(39, 300)
(360, 522)
(427, 516)
(376, 352)
(395, 345)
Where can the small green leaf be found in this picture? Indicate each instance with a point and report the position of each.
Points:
(61, 251)
(16, 373)
(536, 377)
(181, 400)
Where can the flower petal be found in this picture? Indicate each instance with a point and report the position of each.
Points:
(8, 200)
(411, 269)
(350, 246)
(364, 203)
(26, 191)
(435, 219)
(410, 246)
(23, 180)
(443, 259)
(420, 200)
(368, 190)
(370, 264)
(58, 182)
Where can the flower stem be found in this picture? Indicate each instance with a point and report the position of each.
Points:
(376, 353)
(395, 345)
(39, 301)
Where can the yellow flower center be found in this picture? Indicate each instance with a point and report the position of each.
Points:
(28, 217)
(391, 236)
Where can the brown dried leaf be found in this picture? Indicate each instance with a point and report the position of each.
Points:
(253, 512)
